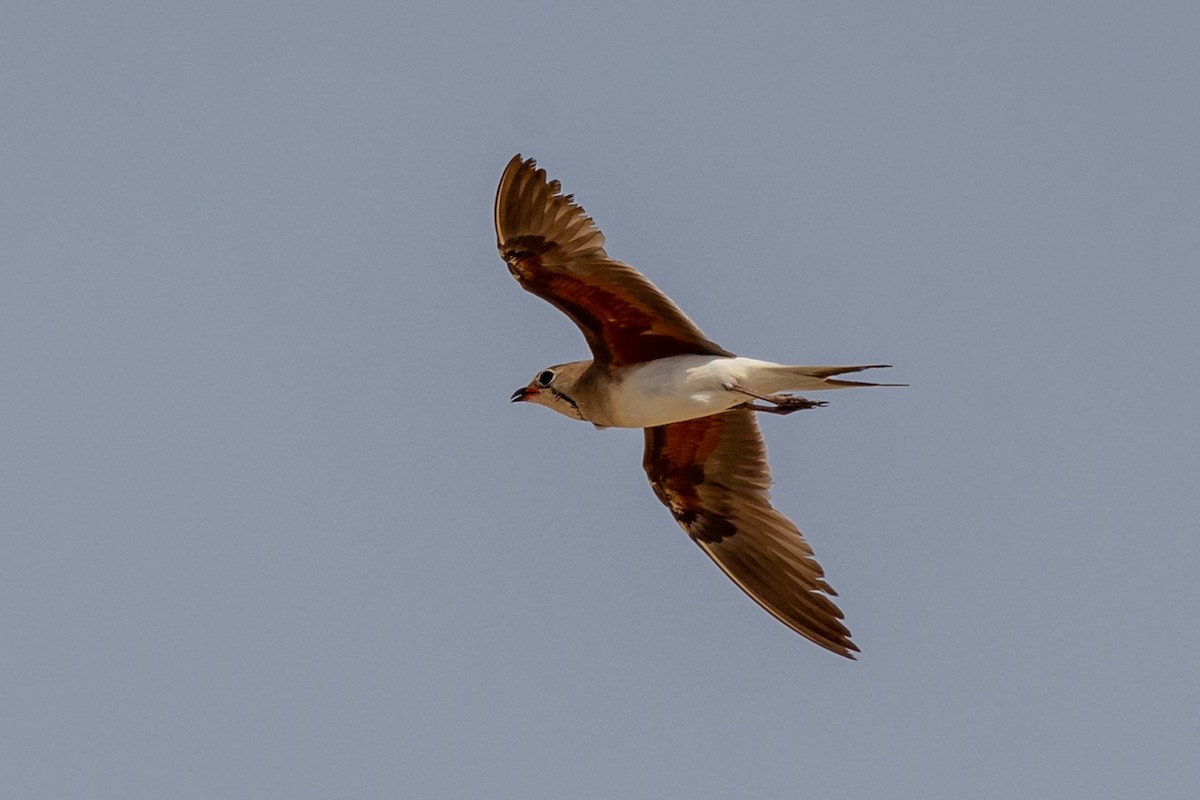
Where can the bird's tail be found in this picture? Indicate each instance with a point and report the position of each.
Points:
(777, 378)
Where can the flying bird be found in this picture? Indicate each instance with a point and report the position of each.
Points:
(652, 368)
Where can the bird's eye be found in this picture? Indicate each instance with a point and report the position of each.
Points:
(545, 378)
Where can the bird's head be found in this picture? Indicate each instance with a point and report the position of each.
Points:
(555, 387)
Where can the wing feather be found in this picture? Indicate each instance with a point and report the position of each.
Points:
(712, 474)
(555, 251)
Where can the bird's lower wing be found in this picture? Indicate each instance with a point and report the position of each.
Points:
(712, 474)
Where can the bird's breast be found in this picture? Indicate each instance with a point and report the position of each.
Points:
(669, 390)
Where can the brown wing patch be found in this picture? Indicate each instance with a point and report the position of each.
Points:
(555, 251)
(712, 474)
(674, 460)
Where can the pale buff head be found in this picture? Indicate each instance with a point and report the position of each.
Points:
(554, 387)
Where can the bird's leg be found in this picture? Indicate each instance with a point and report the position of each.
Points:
(781, 403)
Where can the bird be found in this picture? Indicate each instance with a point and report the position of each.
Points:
(653, 368)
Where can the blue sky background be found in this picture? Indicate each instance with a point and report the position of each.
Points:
(271, 529)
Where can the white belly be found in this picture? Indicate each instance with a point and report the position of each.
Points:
(677, 388)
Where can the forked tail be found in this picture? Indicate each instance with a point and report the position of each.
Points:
(808, 379)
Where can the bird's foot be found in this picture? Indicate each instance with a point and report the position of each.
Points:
(787, 403)
(780, 403)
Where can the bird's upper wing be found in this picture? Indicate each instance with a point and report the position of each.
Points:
(712, 474)
(554, 250)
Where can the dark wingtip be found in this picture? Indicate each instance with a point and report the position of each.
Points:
(848, 649)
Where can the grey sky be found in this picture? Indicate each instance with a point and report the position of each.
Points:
(271, 529)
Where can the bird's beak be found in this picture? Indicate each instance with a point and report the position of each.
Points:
(522, 394)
